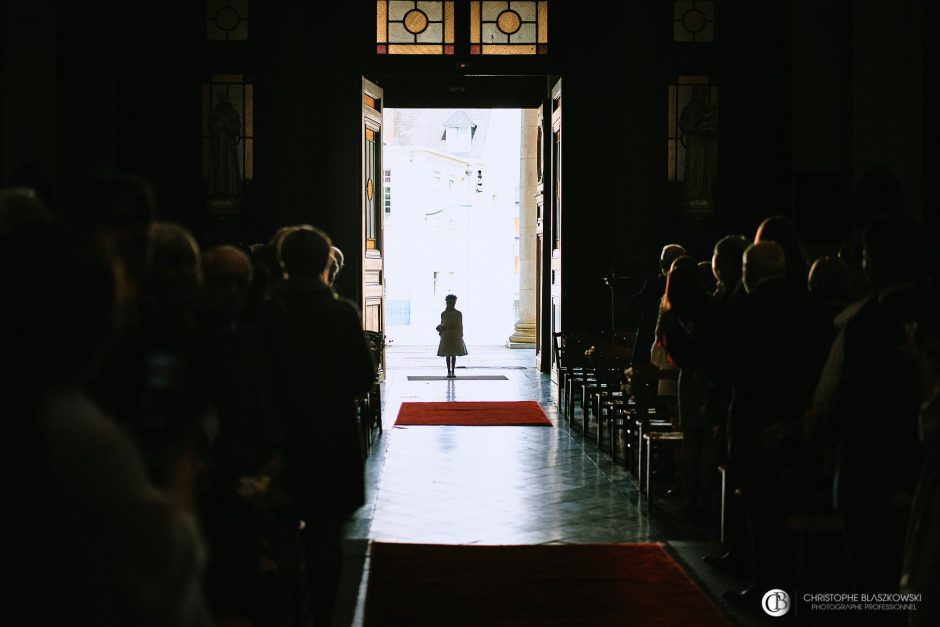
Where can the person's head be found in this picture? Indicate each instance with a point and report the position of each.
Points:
(700, 94)
(336, 263)
(670, 253)
(222, 98)
(451, 300)
(762, 262)
(281, 233)
(685, 293)
(305, 253)
(65, 302)
(726, 260)
(829, 280)
(781, 231)
(267, 271)
(175, 270)
(22, 212)
(119, 209)
(228, 274)
(682, 261)
(892, 252)
(705, 274)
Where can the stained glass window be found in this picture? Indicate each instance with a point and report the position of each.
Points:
(693, 20)
(414, 27)
(228, 142)
(227, 20)
(510, 27)
(692, 112)
(680, 95)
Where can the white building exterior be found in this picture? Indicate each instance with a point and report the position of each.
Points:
(451, 203)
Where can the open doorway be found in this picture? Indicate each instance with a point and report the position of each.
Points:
(533, 192)
(453, 199)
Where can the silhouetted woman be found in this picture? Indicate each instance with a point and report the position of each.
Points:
(451, 331)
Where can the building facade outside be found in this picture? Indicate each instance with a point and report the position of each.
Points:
(450, 197)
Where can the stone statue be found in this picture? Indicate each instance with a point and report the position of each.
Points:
(698, 124)
(225, 127)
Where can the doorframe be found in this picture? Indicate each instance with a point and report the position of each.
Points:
(488, 92)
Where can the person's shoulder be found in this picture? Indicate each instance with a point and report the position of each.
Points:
(86, 444)
(344, 306)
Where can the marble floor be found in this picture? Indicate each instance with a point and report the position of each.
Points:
(497, 485)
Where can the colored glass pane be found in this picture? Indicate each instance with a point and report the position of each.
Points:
(491, 10)
(414, 27)
(431, 9)
(526, 10)
(543, 22)
(474, 23)
(415, 49)
(381, 22)
(398, 8)
(415, 21)
(432, 34)
(449, 22)
(693, 21)
(509, 22)
(227, 20)
(509, 27)
(509, 49)
(525, 34)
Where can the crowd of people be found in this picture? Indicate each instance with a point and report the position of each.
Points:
(193, 410)
(817, 386)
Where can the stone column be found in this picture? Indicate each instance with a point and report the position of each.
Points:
(524, 336)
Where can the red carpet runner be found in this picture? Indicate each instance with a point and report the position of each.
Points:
(574, 585)
(473, 414)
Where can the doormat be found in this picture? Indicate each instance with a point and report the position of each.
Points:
(572, 584)
(473, 414)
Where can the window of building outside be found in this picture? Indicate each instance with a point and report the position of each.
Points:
(458, 139)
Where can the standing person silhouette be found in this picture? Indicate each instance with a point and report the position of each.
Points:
(451, 332)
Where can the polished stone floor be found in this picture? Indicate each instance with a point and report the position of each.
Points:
(496, 485)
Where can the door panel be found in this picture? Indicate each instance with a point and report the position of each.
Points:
(544, 354)
(373, 286)
(554, 148)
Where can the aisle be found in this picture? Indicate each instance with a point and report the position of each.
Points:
(488, 485)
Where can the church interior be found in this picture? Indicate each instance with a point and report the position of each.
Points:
(721, 404)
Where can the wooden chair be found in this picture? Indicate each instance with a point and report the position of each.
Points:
(606, 381)
(571, 362)
(818, 524)
(723, 471)
(372, 402)
(650, 439)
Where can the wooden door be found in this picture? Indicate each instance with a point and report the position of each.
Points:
(543, 334)
(373, 279)
(555, 214)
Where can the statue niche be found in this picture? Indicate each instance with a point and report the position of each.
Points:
(698, 124)
(225, 128)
